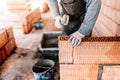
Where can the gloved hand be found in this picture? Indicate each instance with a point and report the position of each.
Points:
(75, 38)
(60, 21)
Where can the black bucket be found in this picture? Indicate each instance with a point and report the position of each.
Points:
(43, 70)
(38, 25)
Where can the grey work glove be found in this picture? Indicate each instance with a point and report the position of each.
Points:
(75, 38)
(60, 21)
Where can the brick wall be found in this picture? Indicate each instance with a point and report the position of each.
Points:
(19, 6)
(7, 42)
(108, 23)
(96, 58)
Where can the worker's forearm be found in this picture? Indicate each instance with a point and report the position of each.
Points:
(93, 8)
(53, 5)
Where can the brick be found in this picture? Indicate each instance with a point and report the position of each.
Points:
(27, 28)
(10, 46)
(10, 33)
(32, 17)
(1, 59)
(44, 7)
(112, 3)
(117, 5)
(118, 31)
(78, 72)
(18, 1)
(97, 53)
(111, 13)
(19, 6)
(109, 24)
(3, 38)
(3, 53)
(101, 29)
(111, 72)
(65, 52)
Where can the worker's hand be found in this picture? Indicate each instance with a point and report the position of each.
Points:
(61, 21)
(75, 38)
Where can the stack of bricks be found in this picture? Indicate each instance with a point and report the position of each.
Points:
(43, 6)
(29, 20)
(96, 58)
(26, 16)
(19, 6)
(108, 23)
(7, 43)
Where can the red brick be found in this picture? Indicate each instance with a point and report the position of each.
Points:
(112, 3)
(78, 72)
(19, 6)
(111, 13)
(10, 46)
(65, 52)
(10, 33)
(3, 53)
(118, 31)
(32, 17)
(109, 24)
(117, 5)
(101, 29)
(44, 7)
(3, 38)
(97, 53)
(111, 73)
(1, 59)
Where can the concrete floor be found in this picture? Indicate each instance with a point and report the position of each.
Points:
(18, 66)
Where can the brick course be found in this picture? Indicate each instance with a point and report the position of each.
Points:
(109, 17)
(78, 72)
(111, 72)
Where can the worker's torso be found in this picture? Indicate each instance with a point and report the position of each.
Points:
(76, 9)
(73, 7)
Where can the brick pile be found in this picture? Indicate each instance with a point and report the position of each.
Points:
(84, 62)
(108, 23)
(7, 43)
(30, 18)
(19, 6)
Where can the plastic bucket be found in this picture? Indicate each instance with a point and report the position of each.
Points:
(38, 25)
(43, 70)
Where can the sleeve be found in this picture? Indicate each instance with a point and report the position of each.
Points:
(92, 11)
(53, 5)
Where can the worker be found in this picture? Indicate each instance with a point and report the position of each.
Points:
(77, 17)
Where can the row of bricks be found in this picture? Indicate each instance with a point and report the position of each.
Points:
(104, 21)
(101, 30)
(108, 22)
(7, 49)
(115, 4)
(89, 72)
(18, 1)
(90, 52)
(7, 43)
(32, 17)
(19, 6)
(111, 13)
(44, 7)
(5, 35)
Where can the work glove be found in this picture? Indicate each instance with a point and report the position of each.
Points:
(61, 21)
(76, 38)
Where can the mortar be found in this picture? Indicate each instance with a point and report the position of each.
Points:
(49, 45)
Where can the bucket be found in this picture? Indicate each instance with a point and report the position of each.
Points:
(43, 70)
(38, 25)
